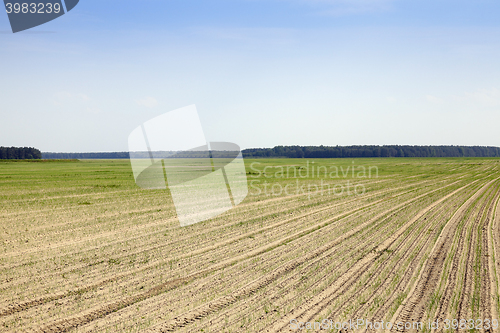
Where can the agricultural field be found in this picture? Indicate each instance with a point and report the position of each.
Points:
(84, 249)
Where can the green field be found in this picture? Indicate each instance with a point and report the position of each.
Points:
(395, 239)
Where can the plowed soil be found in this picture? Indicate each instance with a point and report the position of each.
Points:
(85, 250)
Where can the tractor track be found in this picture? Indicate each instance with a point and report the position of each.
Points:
(203, 311)
(28, 304)
(414, 308)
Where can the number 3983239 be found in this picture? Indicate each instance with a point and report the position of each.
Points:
(33, 8)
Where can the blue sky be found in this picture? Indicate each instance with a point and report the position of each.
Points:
(261, 73)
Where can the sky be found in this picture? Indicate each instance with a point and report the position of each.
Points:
(260, 72)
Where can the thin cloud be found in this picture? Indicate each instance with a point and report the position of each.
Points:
(149, 102)
(61, 98)
(485, 97)
(93, 110)
(479, 98)
(433, 99)
(350, 7)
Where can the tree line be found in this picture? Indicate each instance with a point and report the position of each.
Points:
(92, 156)
(19, 153)
(372, 151)
(312, 152)
(146, 155)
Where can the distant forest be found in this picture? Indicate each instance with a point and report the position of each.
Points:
(63, 156)
(323, 152)
(17, 153)
(372, 151)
